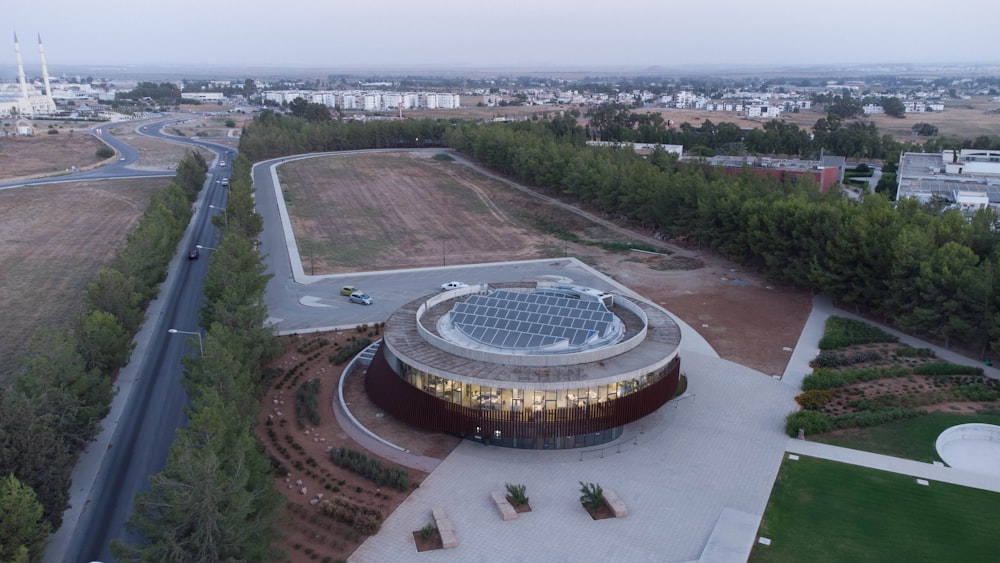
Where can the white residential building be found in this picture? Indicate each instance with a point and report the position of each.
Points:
(768, 111)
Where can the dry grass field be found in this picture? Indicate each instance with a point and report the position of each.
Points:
(401, 210)
(53, 240)
(47, 155)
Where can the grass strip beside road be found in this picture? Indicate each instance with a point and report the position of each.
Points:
(822, 510)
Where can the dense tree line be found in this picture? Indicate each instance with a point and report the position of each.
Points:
(164, 93)
(215, 500)
(51, 409)
(272, 135)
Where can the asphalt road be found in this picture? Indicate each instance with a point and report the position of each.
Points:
(151, 401)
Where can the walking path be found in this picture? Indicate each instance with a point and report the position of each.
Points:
(928, 471)
(807, 347)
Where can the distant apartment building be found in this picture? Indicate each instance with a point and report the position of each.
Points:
(764, 111)
(205, 97)
(368, 100)
(872, 109)
(969, 179)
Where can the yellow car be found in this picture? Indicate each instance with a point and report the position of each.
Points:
(348, 290)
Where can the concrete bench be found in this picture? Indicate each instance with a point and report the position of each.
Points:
(445, 528)
(506, 509)
(615, 504)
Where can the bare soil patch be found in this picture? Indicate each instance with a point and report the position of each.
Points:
(600, 512)
(304, 453)
(400, 210)
(519, 508)
(45, 155)
(53, 240)
(431, 542)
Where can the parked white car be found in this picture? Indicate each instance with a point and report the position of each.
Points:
(453, 285)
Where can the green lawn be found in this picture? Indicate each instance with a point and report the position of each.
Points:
(827, 511)
(911, 439)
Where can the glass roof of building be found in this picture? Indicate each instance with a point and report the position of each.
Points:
(524, 321)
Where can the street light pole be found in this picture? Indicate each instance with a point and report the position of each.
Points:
(198, 334)
(225, 214)
(205, 247)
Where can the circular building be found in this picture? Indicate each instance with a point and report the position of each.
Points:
(526, 365)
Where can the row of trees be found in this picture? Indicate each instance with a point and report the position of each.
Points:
(272, 135)
(51, 409)
(215, 500)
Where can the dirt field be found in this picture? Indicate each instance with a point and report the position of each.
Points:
(53, 240)
(388, 211)
(47, 155)
(385, 211)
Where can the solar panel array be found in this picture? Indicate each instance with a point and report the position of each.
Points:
(508, 319)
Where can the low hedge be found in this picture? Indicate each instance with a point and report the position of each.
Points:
(814, 399)
(946, 368)
(842, 332)
(816, 422)
(812, 422)
(829, 379)
(867, 418)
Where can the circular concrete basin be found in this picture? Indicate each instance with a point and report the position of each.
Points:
(973, 447)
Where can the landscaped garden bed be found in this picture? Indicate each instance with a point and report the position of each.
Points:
(863, 377)
(337, 494)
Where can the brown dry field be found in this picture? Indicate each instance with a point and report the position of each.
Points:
(53, 240)
(391, 211)
(48, 155)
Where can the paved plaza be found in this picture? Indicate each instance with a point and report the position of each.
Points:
(677, 470)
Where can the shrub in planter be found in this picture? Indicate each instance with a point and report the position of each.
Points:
(592, 495)
(516, 494)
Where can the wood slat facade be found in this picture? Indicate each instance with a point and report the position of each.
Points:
(412, 405)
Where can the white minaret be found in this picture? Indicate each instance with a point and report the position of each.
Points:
(20, 69)
(45, 69)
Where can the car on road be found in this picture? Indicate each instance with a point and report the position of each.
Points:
(453, 285)
(349, 289)
(194, 254)
(222, 163)
(225, 181)
(358, 297)
(121, 158)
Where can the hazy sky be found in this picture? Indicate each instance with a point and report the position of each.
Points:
(543, 34)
